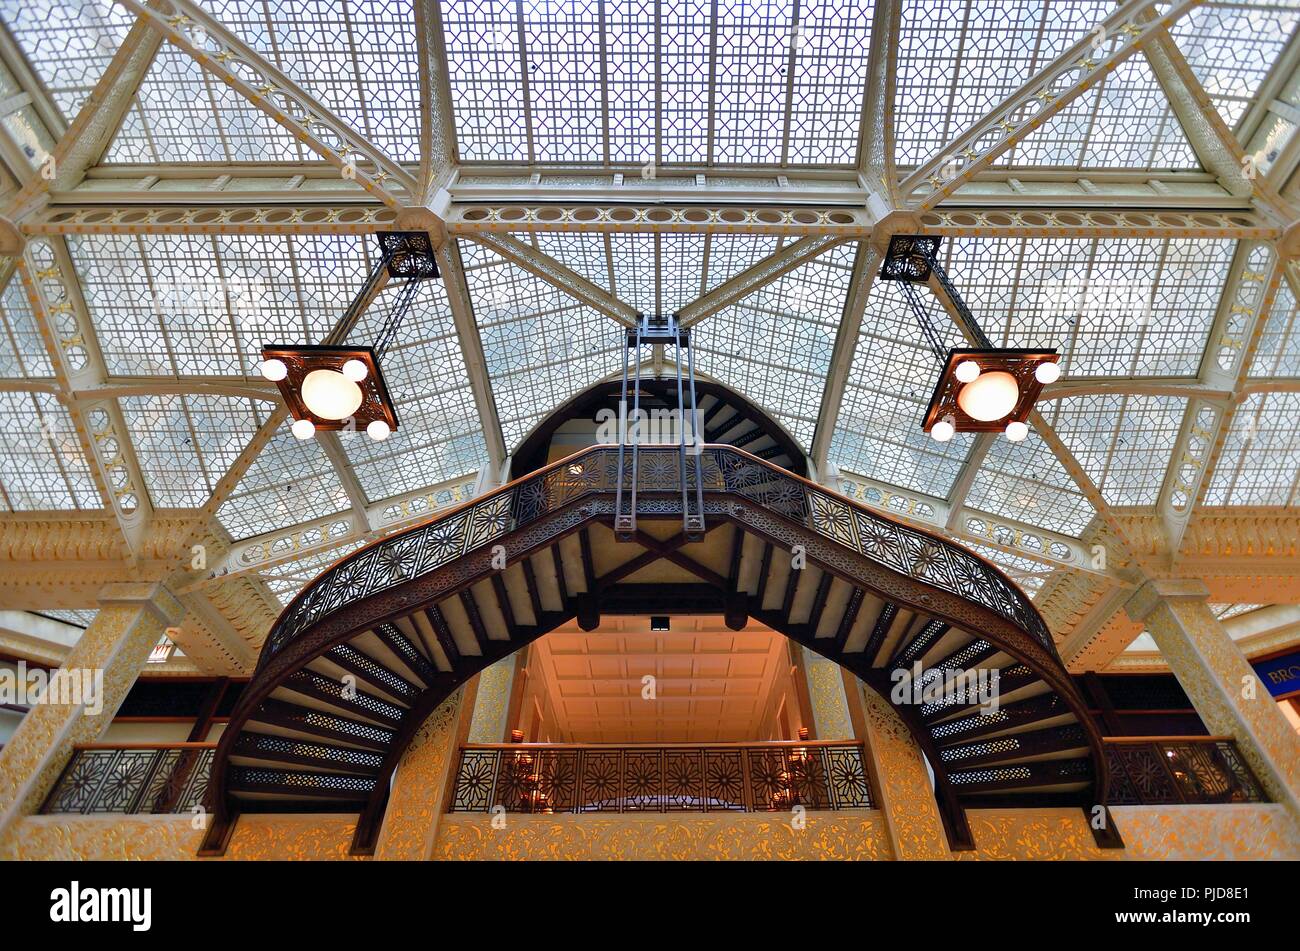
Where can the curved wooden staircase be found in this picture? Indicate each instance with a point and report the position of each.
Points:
(361, 657)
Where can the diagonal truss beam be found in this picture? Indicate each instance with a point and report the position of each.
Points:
(471, 348)
(246, 71)
(556, 274)
(1130, 28)
(1253, 282)
(61, 318)
(876, 129)
(866, 265)
(83, 143)
(437, 126)
(757, 276)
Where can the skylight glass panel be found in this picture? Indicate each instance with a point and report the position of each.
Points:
(775, 345)
(290, 481)
(1026, 482)
(1125, 121)
(200, 305)
(540, 344)
(77, 618)
(672, 82)
(1279, 344)
(439, 433)
(1029, 574)
(357, 57)
(22, 351)
(563, 40)
(1117, 306)
(1231, 49)
(185, 444)
(69, 43)
(486, 73)
(655, 273)
(1260, 460)
(1123, 442)
(957, 59)
(183, 114)
(1225, 611)
(878, 432)
(41, 464)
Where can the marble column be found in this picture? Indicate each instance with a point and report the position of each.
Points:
(1220, 682)
(108, 658)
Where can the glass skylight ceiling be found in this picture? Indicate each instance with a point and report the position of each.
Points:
(670, 82)
(41, 464)
(204, 305)
(785, 90)
(541, 345)
(1111, 306)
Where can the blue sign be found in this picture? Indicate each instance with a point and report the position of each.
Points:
(1281, 674)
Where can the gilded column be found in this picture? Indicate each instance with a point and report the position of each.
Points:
(1221, 684)
(92, 683)
(906, 796)
(830, 706)
(422, 783)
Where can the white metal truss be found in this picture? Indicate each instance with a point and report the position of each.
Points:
(229, 59)
(1134, 25)
(471, 346)
(865, 266)
(54, 294)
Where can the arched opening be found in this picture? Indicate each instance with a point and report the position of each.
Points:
(725, 418)
(417, 614)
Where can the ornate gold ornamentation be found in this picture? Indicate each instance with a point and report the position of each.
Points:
(856, 834)
(492, 702)
(415, 806)
(826, 692)
(915, 830)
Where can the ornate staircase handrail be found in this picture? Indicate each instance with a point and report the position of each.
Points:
(910, 551)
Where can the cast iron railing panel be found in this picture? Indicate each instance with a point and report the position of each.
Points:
(722, 470)
(1187, 770)
(132, 780)
(569, 779)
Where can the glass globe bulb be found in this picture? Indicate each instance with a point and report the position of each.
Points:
(378, 430)
(355, 370)
(991, 396)
(304, 428)
(274, 370)
(1016, 431)
(330, 395)
(1046, 373)
(942, 431)
(967, 371)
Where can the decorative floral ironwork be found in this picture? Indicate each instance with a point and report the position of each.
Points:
(766, 778)
(1190, 770)
(726, 470)
(130, 781)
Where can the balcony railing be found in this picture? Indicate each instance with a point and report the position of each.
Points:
(146, 778)
(771, 777)
(1179, 770)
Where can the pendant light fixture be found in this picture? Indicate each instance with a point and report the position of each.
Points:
(983, 389)
(334, 388)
